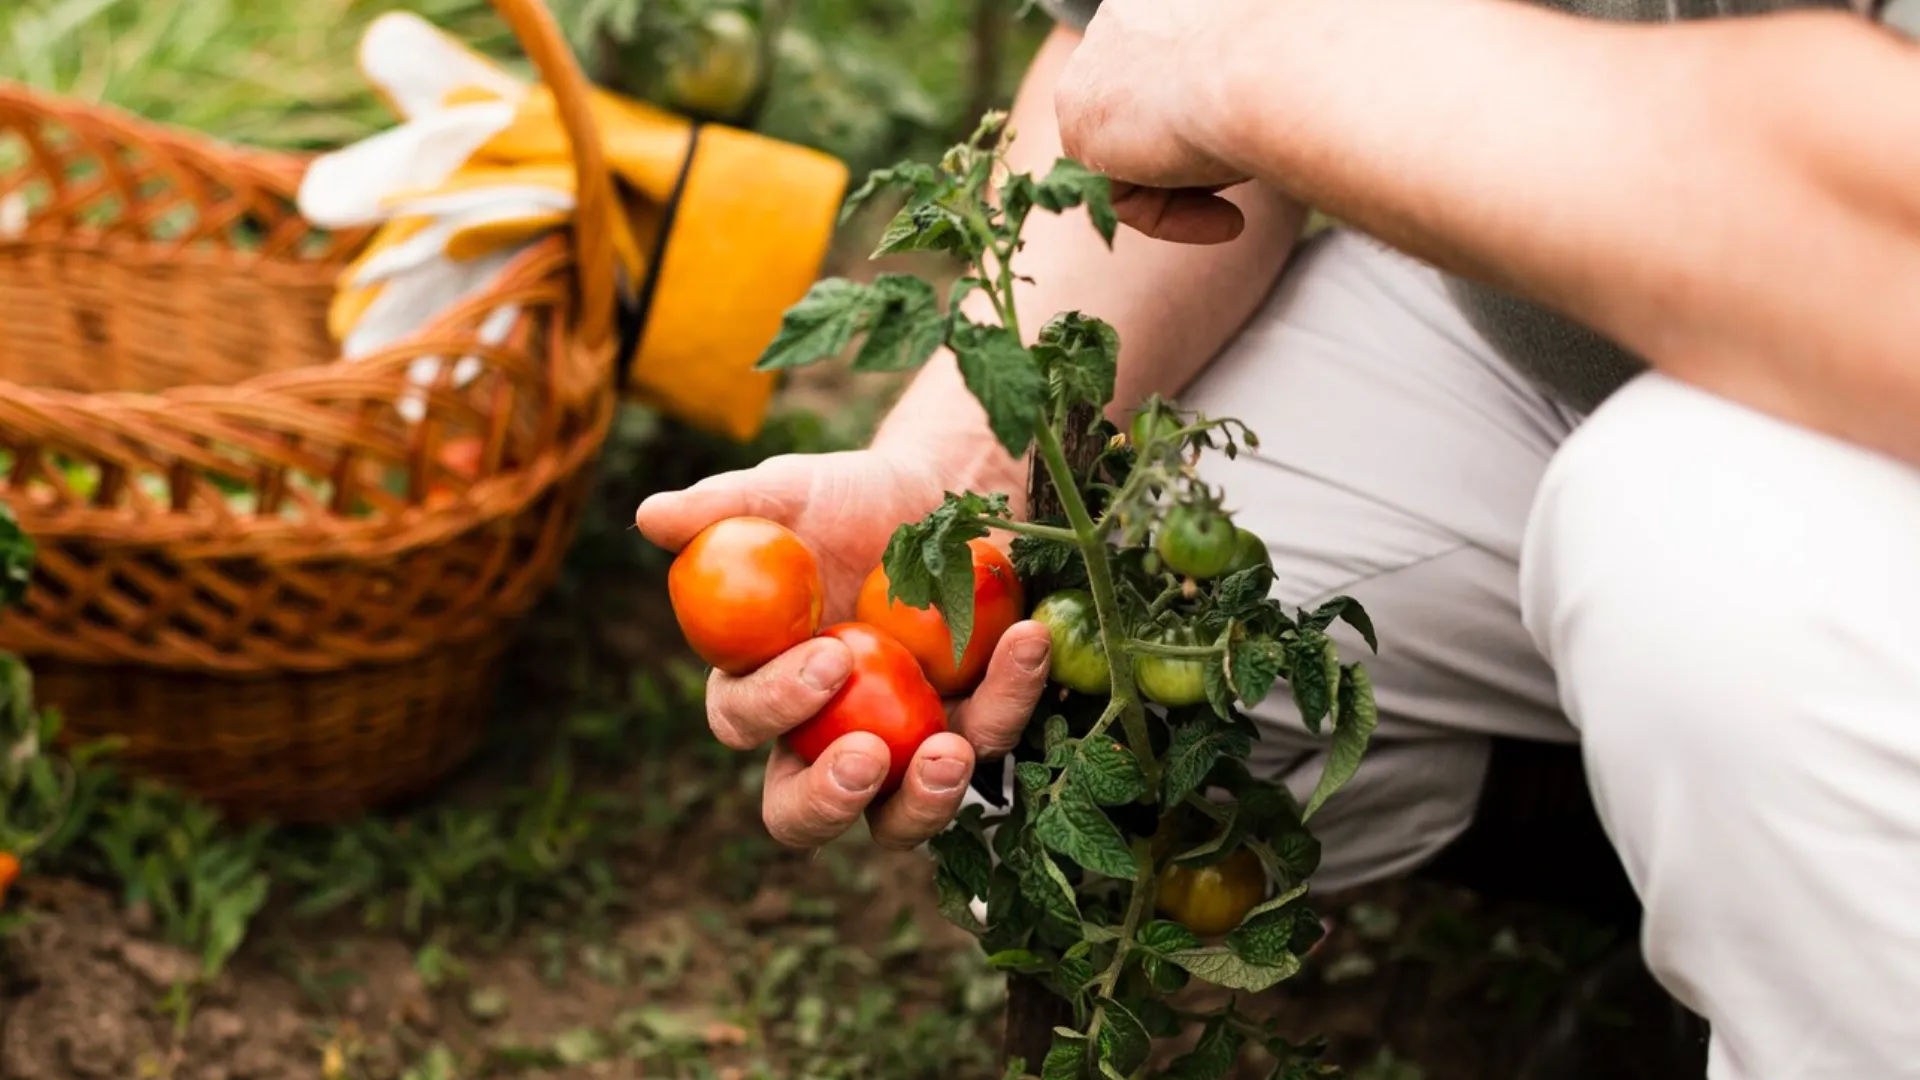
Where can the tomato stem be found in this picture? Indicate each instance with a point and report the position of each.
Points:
(1183, 652)
(1027, 528)
(1106, 605)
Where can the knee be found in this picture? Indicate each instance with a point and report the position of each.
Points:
(1691, 564)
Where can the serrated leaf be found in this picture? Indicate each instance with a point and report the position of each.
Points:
(1109, 772)
(1254, 665)
(1265, 935)
(1219, 686)
(1033, 777)
(820, 326)
(1079, 356)
(1016, 200)
(964, 854)
(1298, 853)
(1047, 888)
(1076, 828)
(1041, 557)
(1123, 1041)
(1244, 593)
(1212, 1057)
(956, 900)
(1191, 754)
(1355, 718)
(1218, 965)
(926, 226)
(1057, 740)
(1347, 610)
(1004, 377)
(918, 178)
(1313, 673)
(1066, 1058)
(929, 564)
(1072, 184)
(904, 326)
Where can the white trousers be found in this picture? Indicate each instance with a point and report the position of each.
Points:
(1721, 608)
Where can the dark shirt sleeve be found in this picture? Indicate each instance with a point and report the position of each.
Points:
(1074, 13)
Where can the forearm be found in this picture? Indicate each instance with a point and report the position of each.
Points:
(1175, 306)
(1733, 200)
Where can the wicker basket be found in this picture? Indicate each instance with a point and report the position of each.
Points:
(252, 569)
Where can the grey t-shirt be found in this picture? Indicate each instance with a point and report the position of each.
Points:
(1577, 366)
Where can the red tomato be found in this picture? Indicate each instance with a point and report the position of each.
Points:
(9, 871)
(745, 590)
(462, 455)
(998, 601)
(886, 695)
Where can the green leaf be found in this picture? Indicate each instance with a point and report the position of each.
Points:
(904, 327)
(1005, 379)
(1242, 594)
(820, 326)
(1046, 888)
(1020, 960)
(926, 226)
(928, 562)
(16, 558)
(1212, 1057)
(1079, 355)
(1353, 724)
(1265, 936)
(1043, 557)
(1072, 184)
(1109, 772)
(1033, 777)
(1349, 611)
(1219, 686)
(1192, 752)
(1313, 671)
(916, 177)
(963, 853)
(1218, 965)
(1016, 200)
(1066, 1058)
(1254, 665)
(1123, 1042)
(956, 900)
(1073, 826)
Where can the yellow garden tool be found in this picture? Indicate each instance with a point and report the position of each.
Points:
(719, 232)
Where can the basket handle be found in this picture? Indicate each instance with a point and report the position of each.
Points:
(593, 220)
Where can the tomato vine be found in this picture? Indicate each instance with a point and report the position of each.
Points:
(1110, 793)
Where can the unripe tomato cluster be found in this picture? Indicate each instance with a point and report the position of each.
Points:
(747, 590)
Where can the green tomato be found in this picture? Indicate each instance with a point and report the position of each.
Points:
(1249, 551)
(719, 77)
(1197, 543)
(1168, 680)
(1079, 660)
(1150, 427)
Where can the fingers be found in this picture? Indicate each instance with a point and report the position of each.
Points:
(929, 797)
(807, 805)
(993, 718)
(751, 710)
(773, 489)
(1182, 216)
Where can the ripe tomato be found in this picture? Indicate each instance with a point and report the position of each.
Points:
(1213, 899)
(998, 601)
(462, 456)
(1196, 543)
(745, 590)
(886, 695)
(1249, 551)
(1079, 660)
(9, 872)
(1168, 680)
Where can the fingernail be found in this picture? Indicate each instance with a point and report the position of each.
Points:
(1032, 655)
(856, 774)
(942, 775)
(826, 669)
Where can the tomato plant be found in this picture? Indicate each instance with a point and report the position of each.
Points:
(745, 590)
(887, 695)
(998, 603)
(1127, 770)
(717, 71)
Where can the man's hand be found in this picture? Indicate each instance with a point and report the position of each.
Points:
(1131, 105)
(846, 506)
